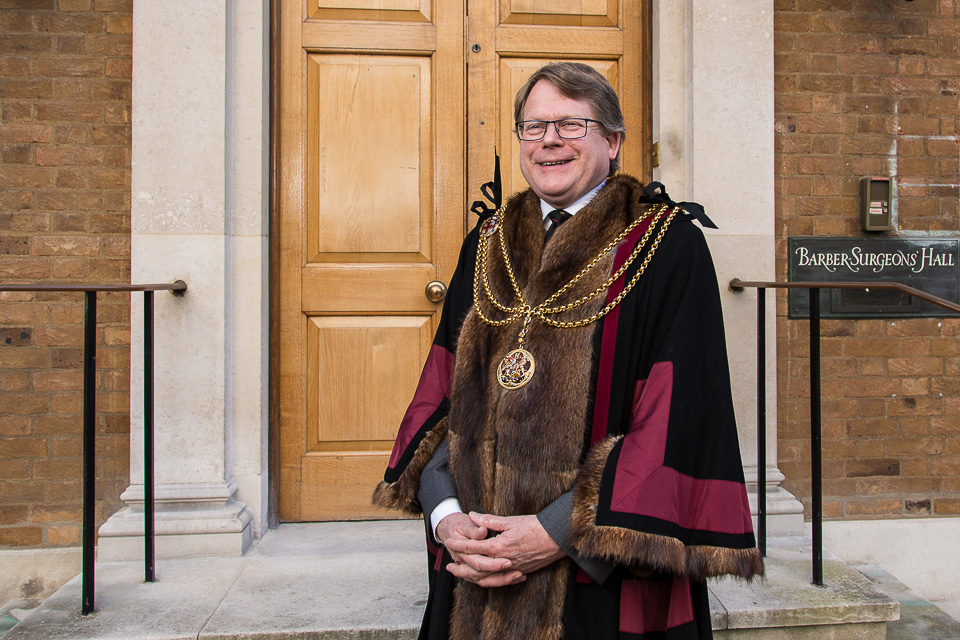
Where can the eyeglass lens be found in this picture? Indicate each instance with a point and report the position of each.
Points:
(529, 130)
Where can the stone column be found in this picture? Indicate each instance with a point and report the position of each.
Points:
(714, 119)
(199, 211)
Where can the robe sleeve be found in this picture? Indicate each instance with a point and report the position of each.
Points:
(662, 487)
(424, 425)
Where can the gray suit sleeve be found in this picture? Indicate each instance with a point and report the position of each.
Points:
(436, 483)
(556, 518)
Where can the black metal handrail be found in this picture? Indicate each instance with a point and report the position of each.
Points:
(89, 419)
(816, 462)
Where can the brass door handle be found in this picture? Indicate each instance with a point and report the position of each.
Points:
(436, 291)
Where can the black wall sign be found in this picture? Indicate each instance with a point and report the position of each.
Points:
(929, 264)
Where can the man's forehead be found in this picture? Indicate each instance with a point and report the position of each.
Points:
(545, 99)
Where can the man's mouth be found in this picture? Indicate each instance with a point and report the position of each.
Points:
(553, 163)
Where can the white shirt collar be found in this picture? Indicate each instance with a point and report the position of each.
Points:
(573, 208)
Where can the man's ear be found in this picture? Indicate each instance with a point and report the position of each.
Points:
(614, 140)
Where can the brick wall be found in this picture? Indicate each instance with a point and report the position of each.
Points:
(64, 217)
(870, 87)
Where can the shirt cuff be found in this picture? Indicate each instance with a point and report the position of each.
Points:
(442, 510)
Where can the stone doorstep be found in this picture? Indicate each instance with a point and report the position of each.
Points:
(847, 606)
(368, 580)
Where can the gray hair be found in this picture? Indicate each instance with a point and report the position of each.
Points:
(579, 81)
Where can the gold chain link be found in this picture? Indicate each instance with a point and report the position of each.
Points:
(542, 310)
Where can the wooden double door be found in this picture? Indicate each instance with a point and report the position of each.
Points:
(389, 114)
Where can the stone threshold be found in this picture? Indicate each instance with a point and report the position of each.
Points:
(367, 580)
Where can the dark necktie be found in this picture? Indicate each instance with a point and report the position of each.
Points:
(557, 217)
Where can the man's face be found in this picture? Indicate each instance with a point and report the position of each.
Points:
(558, 170)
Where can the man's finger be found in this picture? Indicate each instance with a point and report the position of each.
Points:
(490, 547)
(497, 523)
(502, 579)
(495, 579)
(483, 564)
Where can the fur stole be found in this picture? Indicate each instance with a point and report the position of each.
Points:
(512, 452)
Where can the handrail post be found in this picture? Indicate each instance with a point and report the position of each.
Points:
(761, 422)
(148, 457)
(816, 463)
(89, 450)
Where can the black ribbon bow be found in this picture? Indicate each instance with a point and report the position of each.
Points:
(493, 191)
(656, 193)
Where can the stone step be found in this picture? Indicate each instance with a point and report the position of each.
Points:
(367, 581)
(918, 617)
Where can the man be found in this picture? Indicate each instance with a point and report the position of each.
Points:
(572, 443)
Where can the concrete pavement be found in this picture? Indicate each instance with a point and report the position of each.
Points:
(367, 580)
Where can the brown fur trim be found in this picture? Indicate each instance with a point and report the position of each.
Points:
(711, 562)
(644, 552)
(531, 610)
(402, 494)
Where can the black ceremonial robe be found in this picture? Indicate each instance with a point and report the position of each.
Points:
(632, 414)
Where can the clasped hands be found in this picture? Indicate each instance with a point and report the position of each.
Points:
(521, 547)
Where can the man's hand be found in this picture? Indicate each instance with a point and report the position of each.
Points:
(522, 543)
(483, 571)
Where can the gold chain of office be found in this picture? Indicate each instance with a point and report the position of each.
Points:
(517, 367)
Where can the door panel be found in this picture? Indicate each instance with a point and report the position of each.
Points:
(369, 159)
(559, 12)
(378, 100)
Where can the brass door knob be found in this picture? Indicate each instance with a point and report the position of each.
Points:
(436, 291)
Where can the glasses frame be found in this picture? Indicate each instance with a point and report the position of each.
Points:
(556, 128)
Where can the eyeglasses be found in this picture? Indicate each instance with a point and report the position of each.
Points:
(567, 128)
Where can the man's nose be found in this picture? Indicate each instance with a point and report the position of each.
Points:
(551, 136)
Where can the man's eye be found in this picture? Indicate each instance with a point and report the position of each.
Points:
(534, 127)
(571, 125)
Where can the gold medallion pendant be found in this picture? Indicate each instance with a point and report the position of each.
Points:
(516, 369)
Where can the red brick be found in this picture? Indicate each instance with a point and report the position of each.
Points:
(824, 83)
(945, 466)
(826, 124)
(20, 536)
(872, 427)
(63, 536)
(13, 514)
(915, 406)
(947, 506)
(21, 447)
(876, 507)
(911, 46)
(58, 425)
(911, 66)
(58, 380)
(67, 66)
(69, 112)
(915, 366)
(946, 386)
(73, 200)
(915, 386)
(58, 469)
(861, 468)
(14, 426)
(26, 88)
(826, 43)
(65, 245)
(58, 336)
(61, 22)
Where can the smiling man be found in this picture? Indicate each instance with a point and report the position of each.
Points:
(572, 442)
